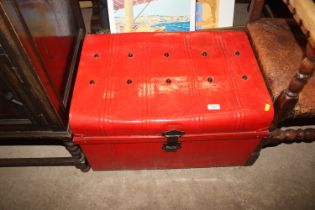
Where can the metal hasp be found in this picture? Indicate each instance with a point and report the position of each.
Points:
(172, 144)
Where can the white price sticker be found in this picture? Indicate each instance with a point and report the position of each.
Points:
(214, 107)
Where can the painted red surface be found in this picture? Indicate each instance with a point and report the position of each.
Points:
(56, 53)
(120, 125)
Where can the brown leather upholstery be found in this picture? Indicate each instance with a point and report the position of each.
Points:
(280, 47)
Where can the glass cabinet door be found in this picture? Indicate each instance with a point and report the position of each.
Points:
(12, 109)
(43, 40)
(51, 31)
(13, 112)
(54, 27)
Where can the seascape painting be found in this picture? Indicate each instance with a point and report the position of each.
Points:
(151, 15)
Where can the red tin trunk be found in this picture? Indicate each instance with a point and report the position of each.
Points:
(169, 100)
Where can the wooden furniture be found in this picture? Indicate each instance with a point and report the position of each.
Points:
(255, 10)
(287, 58)
(39, 48)
(280, 47)
(304, 14)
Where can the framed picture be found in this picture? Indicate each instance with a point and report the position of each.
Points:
(151, 15)
(214, 13)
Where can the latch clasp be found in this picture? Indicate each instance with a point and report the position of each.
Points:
(172, 144)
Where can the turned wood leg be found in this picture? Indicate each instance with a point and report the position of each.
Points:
(77, 154)
(279, 136)
(286, 101)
